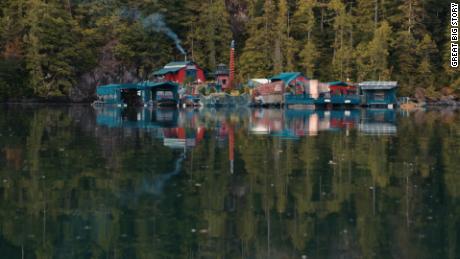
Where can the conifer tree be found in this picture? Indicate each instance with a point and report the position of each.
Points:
(426, 49)
(303, 25)
(257, 57)
(406, 61)
(367, 14)
(372, 57)
(211, 34)
(343, 48)
(284, 43)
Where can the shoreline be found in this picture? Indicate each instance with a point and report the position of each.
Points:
(59, 103)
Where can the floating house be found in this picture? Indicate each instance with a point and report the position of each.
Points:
(379, 93)
(181, 73)
(139, 94)
(340, 94)
(273, 93)
(295, 81)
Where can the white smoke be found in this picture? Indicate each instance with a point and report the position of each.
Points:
(154, 22)
(157, 23)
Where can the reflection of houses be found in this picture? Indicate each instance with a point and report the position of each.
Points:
(180, 73)
(378, 122)
(264, 122)
(182, 137)
(136, 118)
(177, 129)
(298, 123)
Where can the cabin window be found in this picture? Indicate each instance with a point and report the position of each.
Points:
(190, 74)
(164, 95)
(224, 82)
(379, 96)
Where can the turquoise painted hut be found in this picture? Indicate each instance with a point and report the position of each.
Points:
(139, 94)
(379, 93)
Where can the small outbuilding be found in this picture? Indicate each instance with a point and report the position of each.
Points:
(379, 93)
(222, 75)
(139, 94)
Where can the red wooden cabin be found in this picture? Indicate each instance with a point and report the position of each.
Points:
(181, 73)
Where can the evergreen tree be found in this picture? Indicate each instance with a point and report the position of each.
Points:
(366, 19)
(426, 50)
(343, 48)
(406, 62)
(372, 61)
(257, 56)
(58, 43)
(303, 24)
(211, 34)
(284, 43)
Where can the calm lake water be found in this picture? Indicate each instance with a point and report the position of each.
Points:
(76, 182)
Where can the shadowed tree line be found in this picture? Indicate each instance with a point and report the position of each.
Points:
(66, 48)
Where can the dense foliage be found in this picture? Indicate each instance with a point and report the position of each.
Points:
(48, 48)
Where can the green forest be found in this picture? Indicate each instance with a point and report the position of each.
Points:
(65, 49)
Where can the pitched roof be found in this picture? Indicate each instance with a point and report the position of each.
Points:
(165, 71)
(378, 85)
(178, 64)
(222, 69)
(172, 67)
(286, 77)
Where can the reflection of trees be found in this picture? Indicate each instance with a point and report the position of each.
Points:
(86, 191)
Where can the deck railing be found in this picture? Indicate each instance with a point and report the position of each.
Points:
(322, 99)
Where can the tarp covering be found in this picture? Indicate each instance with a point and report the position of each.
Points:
(286, 77)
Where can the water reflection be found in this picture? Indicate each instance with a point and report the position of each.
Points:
(110, 183)
(286, 124)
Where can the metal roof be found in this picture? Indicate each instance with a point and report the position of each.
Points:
(172, 67)
(113, 88)
(222, 70)
(378, 85)
(286, 77)
(178, 64)
(165, 71)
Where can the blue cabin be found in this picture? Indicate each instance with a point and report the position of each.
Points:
(379, 93)
(139, 94)
(340, 94)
